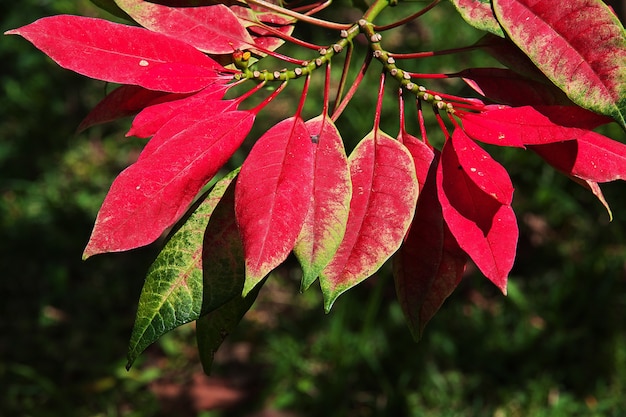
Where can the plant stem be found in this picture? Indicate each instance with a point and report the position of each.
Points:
(302, 17)
(375, 9)
(408, 18)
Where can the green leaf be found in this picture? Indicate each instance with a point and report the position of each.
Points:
(173, 293)
(479, 14)
(212, 329)
(223, 262)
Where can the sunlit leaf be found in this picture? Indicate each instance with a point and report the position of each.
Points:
(154, 192)
(325, 223)
(121, 54)
(152, 118)
(476, 207)
(384, 194)
(212, 29)
(273, 196)
(529, 125)
(587, 155)
(580, 45)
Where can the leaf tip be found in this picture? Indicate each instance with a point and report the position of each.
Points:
(330, 296)
(250, 283)
(89, 252)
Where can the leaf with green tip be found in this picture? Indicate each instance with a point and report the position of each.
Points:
(479, 14)
(212, 329)
(273, 196)
(325, 223)
(384, 193)
(580, 45)
(173, 294)
(211, 29)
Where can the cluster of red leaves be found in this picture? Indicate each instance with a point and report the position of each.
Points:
(298, 191)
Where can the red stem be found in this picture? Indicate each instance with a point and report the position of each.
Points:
(355, 86)
(281, 56)
(250, 92)
(319, 6)
(344, 75)
(269, 99)
(326, 89)
(407, 19)
(442, 124)
(429, 54)
(305, 90)
(277, 33)
(422, 122)
(379, 103)
(428, 76)
(401, 113)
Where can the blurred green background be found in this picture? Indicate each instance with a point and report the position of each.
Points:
(556, 346)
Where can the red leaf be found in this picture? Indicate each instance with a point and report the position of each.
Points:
(273, 195)
(182, 122)
(121, 54)
(153, 193)
(508, 87)
(384, 193)
(529, 125)
(579, 45)
(429, 265)
(325, 223)
(153, 117)
(481, 169)
(124, 101)
(483, 226)
(263, 38)
(212, 29)
(587, 155)
(422, 155)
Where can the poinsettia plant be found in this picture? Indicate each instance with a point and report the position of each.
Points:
(429, 209)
